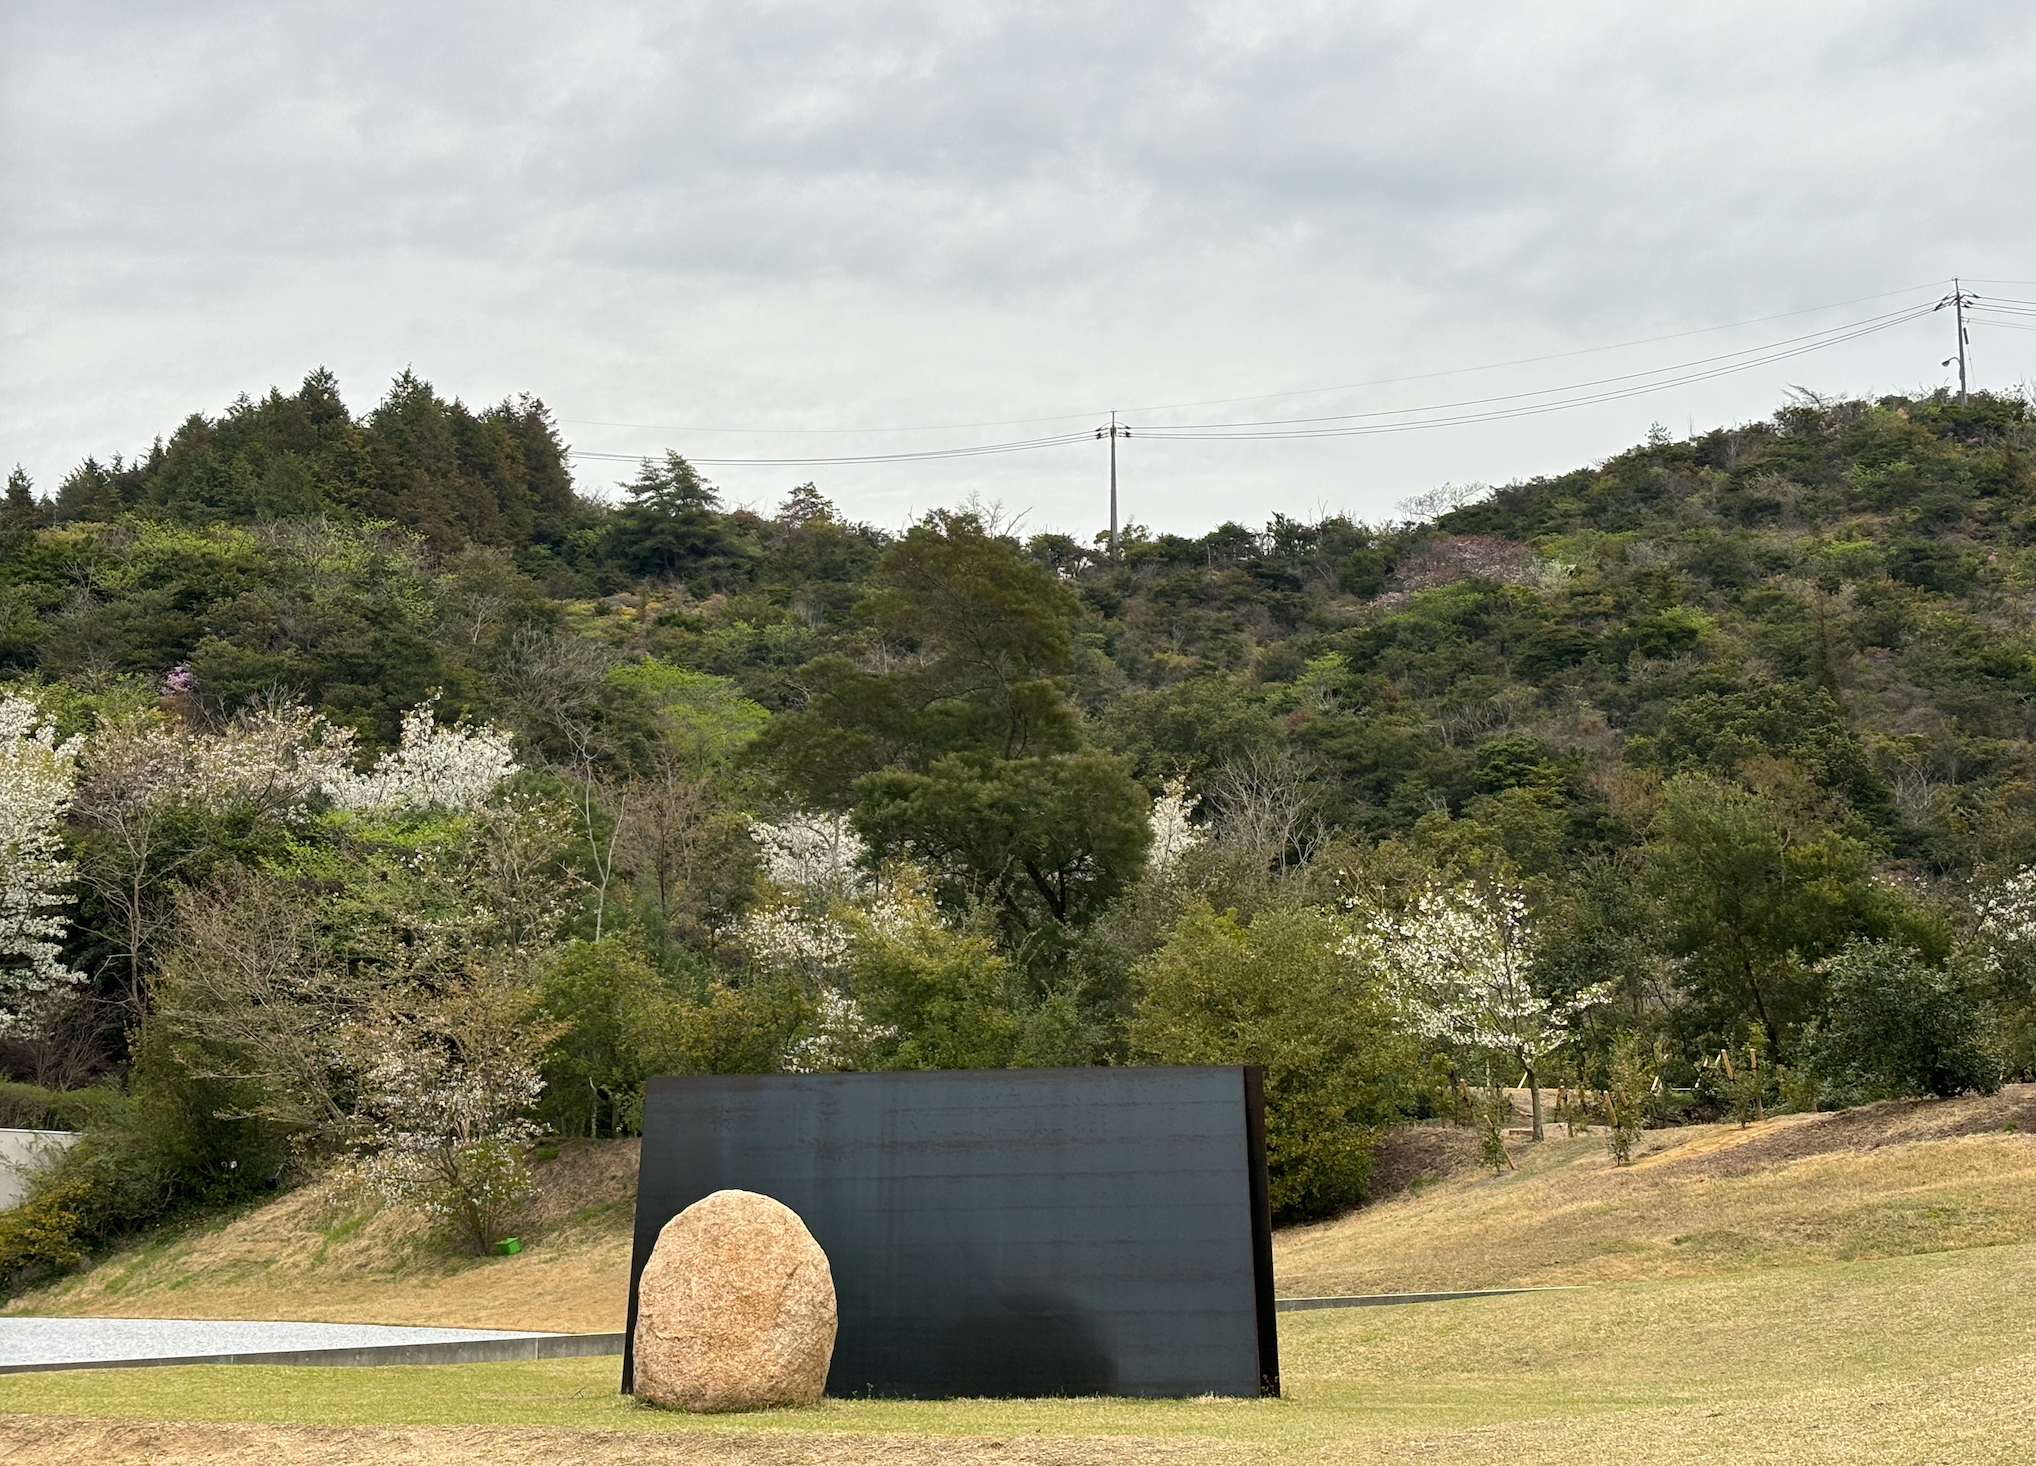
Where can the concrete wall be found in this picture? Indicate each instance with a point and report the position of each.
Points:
(21, 1152)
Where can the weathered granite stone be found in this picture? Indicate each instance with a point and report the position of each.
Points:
(735, 1309)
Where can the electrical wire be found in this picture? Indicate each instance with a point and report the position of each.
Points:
(1488, 409)
(975, 450)
(1270, 396)
(1495, 413)
(1892, 318)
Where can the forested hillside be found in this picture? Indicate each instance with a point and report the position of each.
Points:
(373, 762)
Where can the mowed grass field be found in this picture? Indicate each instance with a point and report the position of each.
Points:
(1850, 1288)
(1923, 1358)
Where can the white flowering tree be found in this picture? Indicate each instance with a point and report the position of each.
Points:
(892, 983)
(812, 854)
(1173, 832)
(38, 775)
(436, 767)
(812, 861)
(446, 1095)
(2007, 913)
(272, 758)
(2006, 920)
(1463, 958)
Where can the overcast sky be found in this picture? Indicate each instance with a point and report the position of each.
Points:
(695, 218)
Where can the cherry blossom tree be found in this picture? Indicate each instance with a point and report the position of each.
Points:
(1463, 956)
(38, 775)
(1173, 834)
(456, 768)
(816, 855)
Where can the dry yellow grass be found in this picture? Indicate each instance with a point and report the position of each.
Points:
(1887, 1180)
(321, 1254)
(1884, 1181)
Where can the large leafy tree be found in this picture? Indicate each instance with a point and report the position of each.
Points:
(1045, 839)
(1289, 992)
(1754, 897)
(959, 746)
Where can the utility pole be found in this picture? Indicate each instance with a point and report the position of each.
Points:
(1113, 433)
(1958, 300)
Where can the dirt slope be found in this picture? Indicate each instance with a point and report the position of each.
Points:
(1886, 1180)
(322, 1254)
(1881, 1181)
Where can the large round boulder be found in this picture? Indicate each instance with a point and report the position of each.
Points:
(735, 1309)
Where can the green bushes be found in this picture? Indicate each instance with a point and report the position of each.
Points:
(1283, 993)
(625, 1021)
(32, 1107)
(170, 1145)
(1894, 1026)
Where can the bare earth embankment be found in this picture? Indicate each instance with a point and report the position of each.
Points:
(1847, 1288)
(1885, 1180)
(323, 1254)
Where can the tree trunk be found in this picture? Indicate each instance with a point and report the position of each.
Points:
(1534, 1098)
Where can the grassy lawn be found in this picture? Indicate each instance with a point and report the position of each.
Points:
(1920, 1358)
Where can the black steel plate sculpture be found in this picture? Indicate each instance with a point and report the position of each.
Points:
(1001, 1232)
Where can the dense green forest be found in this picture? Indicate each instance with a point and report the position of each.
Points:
(385, 762)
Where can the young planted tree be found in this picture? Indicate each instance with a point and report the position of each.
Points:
(1632, 1073)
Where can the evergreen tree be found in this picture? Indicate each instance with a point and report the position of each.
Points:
(20, 510)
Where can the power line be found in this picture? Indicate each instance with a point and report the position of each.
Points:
(1263, 396)
(1490, 409)
(1503, 413)
(976, 450)
(1892, 318)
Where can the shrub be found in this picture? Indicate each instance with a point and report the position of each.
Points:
(170, 1145)
(1746, 1084)
(42, 1234)
(1492, 1111)
(472, 1192)
(628, 1021)
(1626, 1095)
(1283, 993)
(32, 1107)
(1895, 1026)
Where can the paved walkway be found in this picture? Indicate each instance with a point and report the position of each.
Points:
(60, 1341)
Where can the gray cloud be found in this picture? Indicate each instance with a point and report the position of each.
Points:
(801, 214)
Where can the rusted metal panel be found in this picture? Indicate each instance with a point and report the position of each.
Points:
(1001, 1232)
